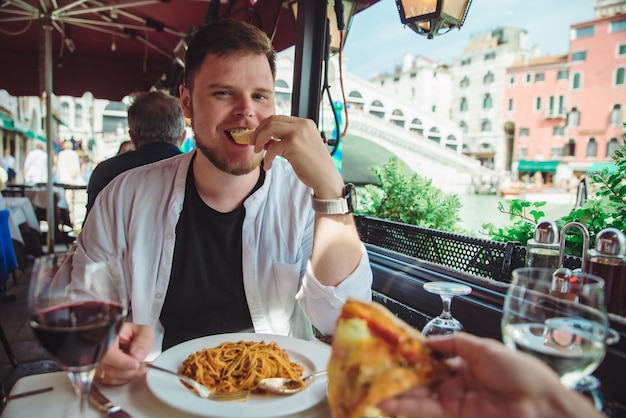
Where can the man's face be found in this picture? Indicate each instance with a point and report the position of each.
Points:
(235, 91)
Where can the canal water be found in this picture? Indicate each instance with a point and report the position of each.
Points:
(480, 209)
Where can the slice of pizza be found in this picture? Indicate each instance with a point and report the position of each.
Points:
(375, 356)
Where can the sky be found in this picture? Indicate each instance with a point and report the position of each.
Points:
(377, 40)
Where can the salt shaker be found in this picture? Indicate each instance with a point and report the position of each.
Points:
(543, 250)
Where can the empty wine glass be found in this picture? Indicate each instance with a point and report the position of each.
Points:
(559, 318)
(445, 323)
(76, 315)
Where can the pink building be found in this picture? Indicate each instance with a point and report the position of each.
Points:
(565, 113)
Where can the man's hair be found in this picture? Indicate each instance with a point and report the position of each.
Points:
(156, 116)
(223, 37)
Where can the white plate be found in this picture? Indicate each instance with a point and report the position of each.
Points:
(313, 356)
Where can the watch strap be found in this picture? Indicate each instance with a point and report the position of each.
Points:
(339, 206)
(330, 206)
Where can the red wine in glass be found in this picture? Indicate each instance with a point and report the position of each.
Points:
(78, 334)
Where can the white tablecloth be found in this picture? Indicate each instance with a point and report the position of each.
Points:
(21, 212)
(135, 398)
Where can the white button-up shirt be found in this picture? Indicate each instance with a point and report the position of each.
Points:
(135, 216)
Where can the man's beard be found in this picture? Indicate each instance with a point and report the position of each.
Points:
(219, 158)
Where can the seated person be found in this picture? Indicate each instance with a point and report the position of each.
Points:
(225, 238)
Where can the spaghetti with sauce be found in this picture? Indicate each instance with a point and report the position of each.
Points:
(236, 366)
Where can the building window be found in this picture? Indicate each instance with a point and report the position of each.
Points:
(413, 74)
(611, 147)
(558, 130)
(78, 115)
(585, 32)
(463, 127)
(570, 148)
(619, 76)
(579, 56)
(377, 109)
(487, 101)
(434, 134)
(524, 131)
(551, 105)
(488, 78)
(576, 81)
(451, 142)
(512, 79)
(561, 105)
(65, 112)
(511, 104)
(539, 77)
(416, 126)
(463, 106)
(485, 126)
(592, 147)
(490, 56)
(556, 152)
(562, 75)
(618, 25)
(537, 103)
(464, 82)
(529, 78)
(573, 118)
(523, 153)
(616, 115)
(466, 61)
(621, 50)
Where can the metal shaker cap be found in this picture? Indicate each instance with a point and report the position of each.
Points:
(611, 241)
(547, 232)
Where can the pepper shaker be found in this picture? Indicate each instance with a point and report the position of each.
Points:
(608, 260)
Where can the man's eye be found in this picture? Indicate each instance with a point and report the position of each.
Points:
(221, 93)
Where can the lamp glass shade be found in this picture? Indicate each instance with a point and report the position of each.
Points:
(455, 9)
(419, 9)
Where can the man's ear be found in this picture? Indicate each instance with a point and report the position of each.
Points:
(132, 139)
(185, 100)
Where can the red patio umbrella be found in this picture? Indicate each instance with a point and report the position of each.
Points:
(115, 47)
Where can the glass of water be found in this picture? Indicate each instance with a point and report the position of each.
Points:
(560, 320)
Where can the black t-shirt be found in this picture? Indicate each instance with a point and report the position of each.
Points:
(205, 294)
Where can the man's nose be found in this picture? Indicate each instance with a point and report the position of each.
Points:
(244, 108)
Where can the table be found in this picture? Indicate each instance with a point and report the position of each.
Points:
(135, 398)
(21, 212)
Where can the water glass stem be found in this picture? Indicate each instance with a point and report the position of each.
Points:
(447, 301)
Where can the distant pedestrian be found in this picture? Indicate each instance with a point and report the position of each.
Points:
(36, 165)
(68, 166)
(8, 163)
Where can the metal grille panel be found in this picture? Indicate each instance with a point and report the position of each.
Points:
(480, 257)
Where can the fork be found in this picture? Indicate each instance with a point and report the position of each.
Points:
(199, 388)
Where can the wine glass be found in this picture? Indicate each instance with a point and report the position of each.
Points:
(559, 317)
(76, 315)
(445, 323)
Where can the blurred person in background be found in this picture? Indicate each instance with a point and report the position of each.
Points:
(36, 165)
(156, 126)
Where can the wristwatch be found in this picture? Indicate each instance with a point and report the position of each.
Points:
(340, 206)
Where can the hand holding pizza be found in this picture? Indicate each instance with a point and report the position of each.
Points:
(490, 381)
